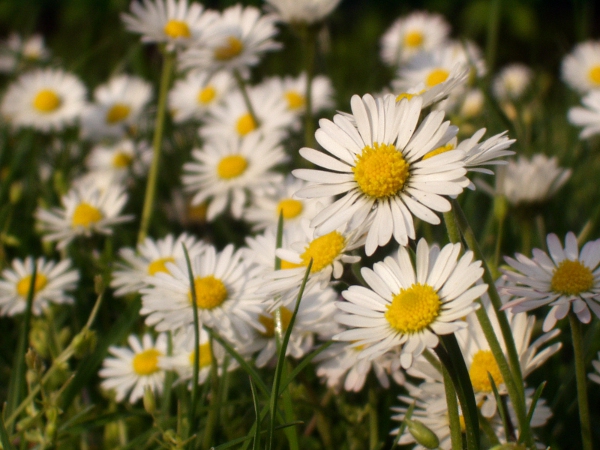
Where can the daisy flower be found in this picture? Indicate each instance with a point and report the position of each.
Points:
(566, 277)
(472, 105)
(415, 33)
(118, 106)
(195, 95)
(595, 377)
(45, 99)
(587, 117)
(173, 22)
(85, 210)
(234, 41)
(378, 165)
(51, 281)
(302, 11)
(512, 82)
(581, 68)
(120, 160)
(226, 169)
(150, 258)
(293, 91)
(130, 369)
(31, 49)
(407, 311)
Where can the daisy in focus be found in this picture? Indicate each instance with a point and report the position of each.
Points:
(581, 68)
(566, 278)
(45, 99)
(302, 11)
(378, 165)
(129, 369)
(406, 311)
(587, 117)
(52, 280)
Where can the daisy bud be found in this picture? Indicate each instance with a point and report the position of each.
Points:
(422, 434)
(84, 343)
(500, 207)
(149, 400)
(15, 192)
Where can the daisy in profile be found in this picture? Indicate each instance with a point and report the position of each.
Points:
(378, 165)
(587, 116)
(581, 68)
(566, 278)
(595, 377)
(226, 170)
(172, 22)
(45, 99)
(130, 369)
(52, 280)
(302, 11)
(415, 33)
(234, 41)
(512, 82)
(406, 311)
(195, 95)
(117, 106)
(150, 258)
(85, 210)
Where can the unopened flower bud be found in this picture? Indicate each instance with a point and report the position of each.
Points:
(84, 342)
(422, 434)
(149, 400)
(500, 207)
(15, 192)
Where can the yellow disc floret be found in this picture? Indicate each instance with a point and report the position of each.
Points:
(594, 75)
(177, 29)
(413, 309)
(146, 362)
(232, 48)
(85, 215)
(210, 292)
(24, 283)
(438, 151)
(381, 170)
(232, 166)
(117, 113)
(122, 160)
(206, 355)
(46, 101)
(323, 251)
(206, 95)
(159, 265)
(436, 76)
(245, 124)
(483, 364)
(572, 278)
(294, 100)
(268, 321)
(413, 39)
(290, 208)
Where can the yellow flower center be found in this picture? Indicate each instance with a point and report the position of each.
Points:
(594, 75)
(210, 292)
(206, 355)
(413, 39)
(177, 29)
(572, 278)
(232, 166)
(290, 208)
(146, 362)
(245, 124)
(323, 251)
(268, 321)
(121, 160)
(482, 364)
(413, 309)
(25, 282)
(232, 48)
(206, 95)
(289, 265)
(46, 101)
(85, 215)
(381, 170)
(438, 151)
(117, 113)
(294, 99)
(159, 265)
(436, 76)
(404, 95)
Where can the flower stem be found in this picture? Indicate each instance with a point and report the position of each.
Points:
(156, 146)
(309, 38)
(373, 420)
(453, 416)
(582, 398)
(242, 86)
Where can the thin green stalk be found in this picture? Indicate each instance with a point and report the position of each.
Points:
(373, 420)
(498, 248)
(215, 404)
(256, 442)
(580, 377)
(242, 85)
(492, 36)
(159, 124)
(309, 37)
(453, 416)
(165, 405)
(451, 227)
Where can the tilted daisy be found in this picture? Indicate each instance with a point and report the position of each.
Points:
(409, 35)
(130, 369)
(595, 377)
(407, 311)
(472, 104)
(378, 165)
(226, 170)
(234, 41)
(566, 277)
(302, 11)
(45, 99)
(85, 210)
(121, 160)
(581, 68)
(587, 117)
(150, 258)
(511, 82)
(51, 281)
(293, 91)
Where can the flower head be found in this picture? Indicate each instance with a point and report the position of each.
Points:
(587, 117)
(581, 68)
(302, 11)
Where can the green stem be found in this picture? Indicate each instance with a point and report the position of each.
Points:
(242, 85)
(373, 420)
(498, 248)
(492, 36)
(156, 146)
(451, 227)
(580, 377)
(453, 416)
(309, 38)
(215, 405)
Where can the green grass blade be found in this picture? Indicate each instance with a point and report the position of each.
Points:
(408, 415)
(508, 431)
(534, 400)
(256, 443)
(247, 438)
(4, 439)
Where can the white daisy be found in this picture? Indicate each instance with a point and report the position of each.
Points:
(415, 33)
(566, 277)
(511, 82)
(302, 11)
(15, 49)
(226, 169)
(119, 104)
(120, 160)
(132, 368)
(234, 41)
(85, 210)
(581, 68)
(45, 99)
(472, 105)
(293, 92)
(379, 167)
(407, 311)
(595, 377)
(587, 117)
(51, 281)
(150, 258)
